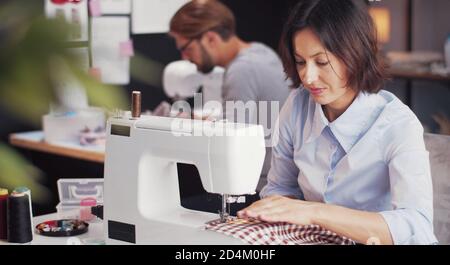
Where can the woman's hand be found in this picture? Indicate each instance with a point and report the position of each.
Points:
(281, 209)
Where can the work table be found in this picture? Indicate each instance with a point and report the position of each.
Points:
(162, 235)
(34, 140)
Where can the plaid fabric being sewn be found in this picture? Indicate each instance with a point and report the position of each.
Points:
(262, 233)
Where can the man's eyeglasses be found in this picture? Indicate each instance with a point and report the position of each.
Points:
(197, 37)
(185, 46)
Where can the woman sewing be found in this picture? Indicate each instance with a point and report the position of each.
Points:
(349, 156)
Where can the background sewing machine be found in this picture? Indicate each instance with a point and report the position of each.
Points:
(142, 196)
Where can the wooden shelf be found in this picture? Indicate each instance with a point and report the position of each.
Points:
(410, 75)
(35, 141)
(399, 73)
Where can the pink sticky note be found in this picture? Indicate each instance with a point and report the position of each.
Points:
(94, 8)
(126, 48)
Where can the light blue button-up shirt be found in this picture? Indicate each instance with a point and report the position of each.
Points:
(371, 158)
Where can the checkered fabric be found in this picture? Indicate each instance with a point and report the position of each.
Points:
(262, 233)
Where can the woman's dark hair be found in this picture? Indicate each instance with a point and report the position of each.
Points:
(346, 30)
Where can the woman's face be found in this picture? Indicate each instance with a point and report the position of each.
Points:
(321, 73)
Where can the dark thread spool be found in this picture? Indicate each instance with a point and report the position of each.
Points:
(3, 214)
(136, 104)
(26, 191)
(19, 219)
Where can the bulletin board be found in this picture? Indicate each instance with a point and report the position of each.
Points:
(152, 41)
(113, 31)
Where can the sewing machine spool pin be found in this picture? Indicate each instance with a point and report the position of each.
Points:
(136, 104)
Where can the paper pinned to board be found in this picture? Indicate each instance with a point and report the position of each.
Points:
(153, 16)
(116, 7)
(106, 35)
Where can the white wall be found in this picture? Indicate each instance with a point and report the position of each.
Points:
(431, 24)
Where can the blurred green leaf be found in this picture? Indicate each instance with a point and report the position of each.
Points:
(145, 70)
(15, 171)
(100, 95)
(28, 44)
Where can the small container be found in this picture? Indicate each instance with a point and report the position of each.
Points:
(76, 196)
(85, 209)
(67, 126)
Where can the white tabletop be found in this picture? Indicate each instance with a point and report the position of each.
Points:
(161, 234)
(95, 233)
(38, 136)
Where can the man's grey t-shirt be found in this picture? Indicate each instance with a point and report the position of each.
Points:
(256, 75)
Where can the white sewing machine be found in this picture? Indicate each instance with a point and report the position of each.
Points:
(142, 196)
